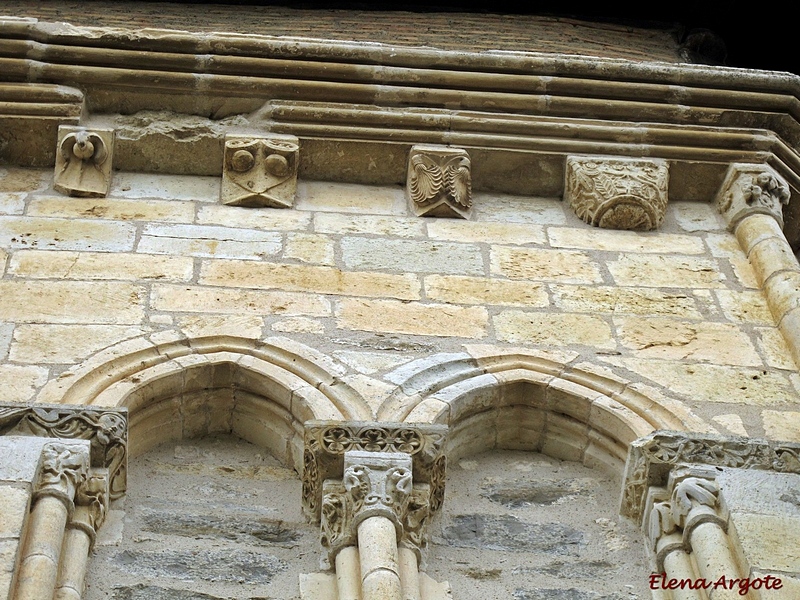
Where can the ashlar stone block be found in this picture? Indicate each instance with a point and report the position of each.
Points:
(617, 193)
(439, 182)
(260, 171)
(83, 161)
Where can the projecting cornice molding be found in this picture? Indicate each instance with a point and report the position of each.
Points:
(517, 114)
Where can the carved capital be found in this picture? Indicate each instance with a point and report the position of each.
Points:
(617, 193)
(655, 458)
(439, 181)
(752, 189)
(260, 171)
(327, 443)
(91, 502)
(105, 429)
(64, 469)
(83, 161)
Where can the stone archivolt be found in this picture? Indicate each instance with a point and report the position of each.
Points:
(616, 193)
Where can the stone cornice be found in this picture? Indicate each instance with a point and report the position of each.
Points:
(518, 109)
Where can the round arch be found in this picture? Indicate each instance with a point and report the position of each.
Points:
(535, 402)
(176, 387)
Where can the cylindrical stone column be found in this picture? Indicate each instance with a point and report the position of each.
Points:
(377, 549)
(714, 558)
(64, 467)
(348, 574)
(676, 565)
(77, 545)
(409, 574)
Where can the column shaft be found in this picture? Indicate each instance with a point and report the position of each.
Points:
(39, 567)
(377, 549)
(348, 579)
(409, 574)
(714, 559)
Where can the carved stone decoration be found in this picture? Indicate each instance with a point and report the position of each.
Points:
(83, 161)
(106, 430)
(327, 442)
(439, 182)
(260, 171)
(64, 468)
(652, 458)
(336, 520)
(752, 189)
(91, 502)
(617, 193)
(379, 484)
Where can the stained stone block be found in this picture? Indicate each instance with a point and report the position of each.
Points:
(83, 161)
(439, 182)
(617, 193)
(508, 533)
(260, 171)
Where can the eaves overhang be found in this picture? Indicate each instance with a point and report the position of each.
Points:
(517, 113)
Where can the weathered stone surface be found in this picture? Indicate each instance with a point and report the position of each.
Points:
(782, 425)
(260, 171)
(209, 241)
(309, 248)
(116, 209)
(6, 331)
(713, 383)
(617, 193)
(773, 347)
(439, 181)
(412, 318)
(268, 219)
(298, 325)
(229, 566)
(696, 216)
(564, 594)
(165, 187)
(83, 161)
(349, 198)
(14, 508)
(671, 339)
(559, 329)
(66, 234)
(215, 300)
(13, 179)
(624, 241)
(96, 265)
(455, 289)
(745, 307)
(371, 362)
(411, 256)
(12, 203)
(238, 525)
(517, 209)
(732, 423)
(150, 592)
(564, 266)
(65, 343)
(248, 326)
(371, 225)
(666, 271)
(762, 541)
(619, 300)
(527, 493)
(19, 382)
(472, 231)
(71, 302)
(507, 533)
(302, 278)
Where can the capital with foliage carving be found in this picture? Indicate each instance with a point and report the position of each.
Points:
(752, 189)
(617, 193)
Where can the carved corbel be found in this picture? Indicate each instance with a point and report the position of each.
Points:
(63, 470)
(83, 161)
(617, 193)
(439, 181)
(260, 171)
(751, 189)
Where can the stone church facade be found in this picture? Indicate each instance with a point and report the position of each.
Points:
(376, 313)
